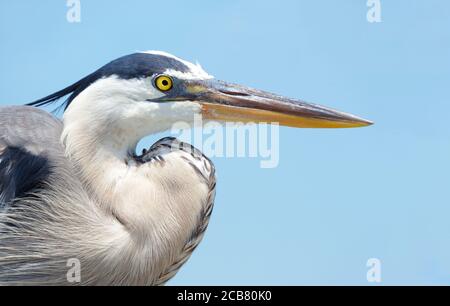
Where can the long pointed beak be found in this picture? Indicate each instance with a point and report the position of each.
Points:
(230, 102)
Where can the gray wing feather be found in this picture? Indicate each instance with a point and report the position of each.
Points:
(29, 141)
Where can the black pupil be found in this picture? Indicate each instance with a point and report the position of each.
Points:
(165, 82)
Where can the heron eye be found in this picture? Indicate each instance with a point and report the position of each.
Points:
(164, 83)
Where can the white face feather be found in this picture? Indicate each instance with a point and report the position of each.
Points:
(117, 111)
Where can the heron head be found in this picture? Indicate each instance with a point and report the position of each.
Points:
(153, 90)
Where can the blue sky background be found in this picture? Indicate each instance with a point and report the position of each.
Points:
(338, 197)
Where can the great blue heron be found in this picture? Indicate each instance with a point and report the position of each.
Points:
(76, 188)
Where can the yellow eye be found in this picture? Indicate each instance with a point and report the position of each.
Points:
(164, 83)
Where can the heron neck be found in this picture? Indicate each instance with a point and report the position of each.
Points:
(156, 218)
(159, 219)
(101, 154)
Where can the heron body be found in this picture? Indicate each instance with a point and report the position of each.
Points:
(128, 233)
(76, 188)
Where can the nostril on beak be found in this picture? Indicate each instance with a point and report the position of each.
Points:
(234, 93)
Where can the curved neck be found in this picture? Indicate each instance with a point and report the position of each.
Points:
(150, 202)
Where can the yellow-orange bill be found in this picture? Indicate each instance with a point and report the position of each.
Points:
(229, 102)
(221, 112)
